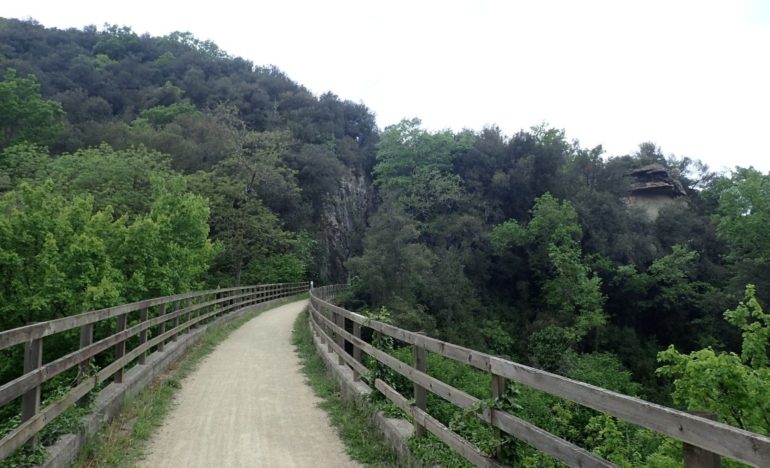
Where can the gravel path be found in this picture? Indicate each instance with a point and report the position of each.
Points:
(247, 406)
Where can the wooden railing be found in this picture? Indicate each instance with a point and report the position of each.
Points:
(153, 322)
(331, 323)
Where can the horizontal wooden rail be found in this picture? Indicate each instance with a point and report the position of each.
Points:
(693, 430)
(175, 314)
(542, 440)
(41, 329)
(434, 426)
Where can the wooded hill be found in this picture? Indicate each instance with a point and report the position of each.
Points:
(137, 166)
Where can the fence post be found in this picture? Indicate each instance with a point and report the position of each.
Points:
(86, 338)
(420, 395)
(176, 318)
(499, 385)
(340, 339)
(329, 330)
(120, 348)
(357, 355)
(696, 457)
(162, 312)
(30, 401)
(311, 311)
(143, 335)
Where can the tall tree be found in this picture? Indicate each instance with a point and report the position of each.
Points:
(24, 114)
(742, 219)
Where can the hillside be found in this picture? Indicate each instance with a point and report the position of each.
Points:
(137, 166)
(213, 115)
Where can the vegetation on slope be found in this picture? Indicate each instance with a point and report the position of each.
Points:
(135, 166)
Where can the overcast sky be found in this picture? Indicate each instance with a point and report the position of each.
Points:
(691, 76)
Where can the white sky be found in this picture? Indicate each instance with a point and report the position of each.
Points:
(691, 76)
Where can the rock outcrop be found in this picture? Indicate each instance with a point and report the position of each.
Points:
(653, 188)
(343, 223)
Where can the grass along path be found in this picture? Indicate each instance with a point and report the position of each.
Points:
(363, 441)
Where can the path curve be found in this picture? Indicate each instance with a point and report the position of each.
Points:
(247, 405)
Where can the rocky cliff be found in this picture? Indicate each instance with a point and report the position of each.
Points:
(343, 223)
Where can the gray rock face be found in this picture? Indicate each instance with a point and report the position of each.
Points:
(343, 223)
(655, 179)
(653, 189)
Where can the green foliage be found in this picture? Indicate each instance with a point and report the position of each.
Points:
(405, 149)
(430, 451)
(122, 179)
(571, 294)
(625, 444)
(159, 116)
(67, 422)
(604, 370)
(383, 342)
(64, 257)
(497, 340)
(744, 213)
(168, 94)
(755, 324)
(275, 269)
(395, 262)
(520, 245)
(741, 218)
(256, 246)
(24, 161)
(735, 387)
(24, 115)
(551, 346)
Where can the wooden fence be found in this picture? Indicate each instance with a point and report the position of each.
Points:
(147, 325)
(704, 440)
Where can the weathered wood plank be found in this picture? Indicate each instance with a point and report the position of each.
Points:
(357, 355)
(712, 436)
(444, 390)
(420, 394)
(120, 347)
(29, 428)
(39, 330)
(522, 430)
(110, 369)
(143, 314)
(356, 366)
(162, 329)
(340, 321)
(422, 418)
(542, 440)
(33, 359)
(36, 374)
(474, 358)
(499, 387)
(86, 339)
(177, 305)
(42, 329)
(696, 457)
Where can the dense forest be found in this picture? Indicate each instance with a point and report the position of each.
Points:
(134, 166)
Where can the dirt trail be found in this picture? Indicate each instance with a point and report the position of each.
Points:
(247, 406)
